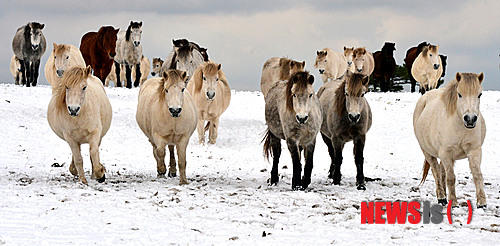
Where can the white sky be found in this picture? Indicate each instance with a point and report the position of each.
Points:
(242, 35)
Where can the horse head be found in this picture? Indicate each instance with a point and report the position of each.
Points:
(350, 96)
(174, 85)
(389, 48)
(188, 59)
(348, 53)
(107, 38)
(208, 77)
(157, 63)
(75, 82)
(468, 94)
(359, 56)
(134, 33)
(299, 95)
(321, 60)
(61, 58)
(431, 54)
(34, 30)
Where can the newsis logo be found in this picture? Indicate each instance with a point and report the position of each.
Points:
(406, 212)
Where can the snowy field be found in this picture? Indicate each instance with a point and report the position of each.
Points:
(228, 200)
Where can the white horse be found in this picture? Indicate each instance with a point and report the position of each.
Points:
(449, 125)
(427, 68)
(63, 57)
(129, 53)
(15, 69)
(331, 65)
(363, 61)
(348, 54)
(184, 57)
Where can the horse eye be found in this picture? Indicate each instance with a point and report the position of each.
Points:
(362, 95)
(326, 60)
(191, 62)
(67, 88)
(55, 57)
(178, 60)
(183, 89)
(166, 90)
(217, 79)
(294, 95)
(459, 95)
(430, 54)
(67, 57)
(310, 95)
(480, 94)
(84, 88)
(204, 78)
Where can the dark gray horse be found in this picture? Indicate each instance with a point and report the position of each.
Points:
(29, 45)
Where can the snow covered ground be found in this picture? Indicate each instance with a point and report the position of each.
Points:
(227, 200)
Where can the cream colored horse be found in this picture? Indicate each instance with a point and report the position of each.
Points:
(363, 61)
(15, 69)
(63, 57)
(331, 65)
(167, 115)
(79, 112)
(211, 94)
(145, 68)
(276, 69)
(348, 54)
(448, 125)
(427, 68)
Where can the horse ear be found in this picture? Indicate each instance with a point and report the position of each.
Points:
(55, 46)
(480, 77)
(317, 53)
(304, 63)
(117, 30)
(345, 48)
(140, 24)
(165, 75)
(131, 22)
(87, 70)
(364, 50)
(42, 26)
(458, 77)
(218, 67)
(310, 79)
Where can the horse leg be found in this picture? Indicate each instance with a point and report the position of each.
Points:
(77, 160)
(331, 151)
(212, 134)
(98, 170)
(118, 82)
(32, 73)
(338, 146)
(413, 83)
(308, 153)
(128, 74)
(201, 131)
(439, 178)
(23, 72)
(159, 145)
(475, 167)
(27, 72)
(359, 145)
(172, 170)
(137, 74)
(276, 147)
(36, 71)
(16, 79)
(448, 163)
(297, 167)
(181, 155)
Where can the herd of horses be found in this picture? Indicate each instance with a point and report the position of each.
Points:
(192, 92)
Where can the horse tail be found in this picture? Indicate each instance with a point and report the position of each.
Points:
(267, 149)
(207, 126)
(426, 171)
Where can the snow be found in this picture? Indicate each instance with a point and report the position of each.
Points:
(228, 199)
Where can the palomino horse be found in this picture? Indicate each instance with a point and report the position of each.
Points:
(411, 55)
(185, 56)
(79, 112)
(348, 54)
(346, 116)
(167, 115)
(449, 125)
(293, 113)
(276, 69)
(129, 54)
(145, 68)
(427, 68)
(98, 50)
(211, 94)
(29, 45)
(385, 66)
(15, 69)
(157, 63)
(363, 61)
(63, 57)
(331, 65)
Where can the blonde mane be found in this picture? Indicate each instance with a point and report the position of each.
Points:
(173, 76)
(358, 52)
(61, 48)
(468, 82)
(72, 77)
(208, 68)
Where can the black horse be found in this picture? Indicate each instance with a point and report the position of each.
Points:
(385, 65)
(29, 45)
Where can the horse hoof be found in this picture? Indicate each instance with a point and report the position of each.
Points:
(482, 206)
(442, 202)
(171, 175)
(183, 182)
(361, 187)
(102, 179)
(160, 175)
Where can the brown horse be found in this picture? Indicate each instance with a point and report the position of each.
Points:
(98, 50)
(385, 65)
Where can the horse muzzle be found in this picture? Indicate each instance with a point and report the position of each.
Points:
(34, 46)
(73, 110)
(301, 119)
(321, 71)
(349, 64)
(137, 43)
(153, 73)
(210, 95)
(354, 118)
(60, 73)
(470, 121)
(359, 70)
(175, 112)
(436, 66)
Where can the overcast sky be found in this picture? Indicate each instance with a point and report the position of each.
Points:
(242, 35)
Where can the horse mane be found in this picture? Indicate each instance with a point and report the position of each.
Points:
(356, 85)
(61, 48)
(361, 51)
(70, 78)
(449, 97)
(421, 46)
(301, 81)
(321, 53)
(129, 29)
(208, 68)
(173, 75)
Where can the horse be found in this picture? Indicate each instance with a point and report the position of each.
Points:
(346, 117)
(331, 65)
(129, 54)
(157, 63)
(29, 45)
(449, 125)
(145, 68)
(185, 56)
(292, 113)
(411, 55)
(443, 64)
(63, 57)
(363, 61)
(211, 94)
(167, 115)
(98, 50)
(276, 69)
(79, 112)
(185, 42)
(385, 66)
(348, 53)
(427, 68)
(15, 69)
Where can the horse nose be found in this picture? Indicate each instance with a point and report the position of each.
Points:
(174, 111)
(73, 110)
(210, 95)
(321, 71)
(302, 119)
(436, 66)
(34, 46)
(60, 72)
(354, 118)
(349, 64)
(359, 70)
(136, 43)
(470, 120)
(153, 73)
